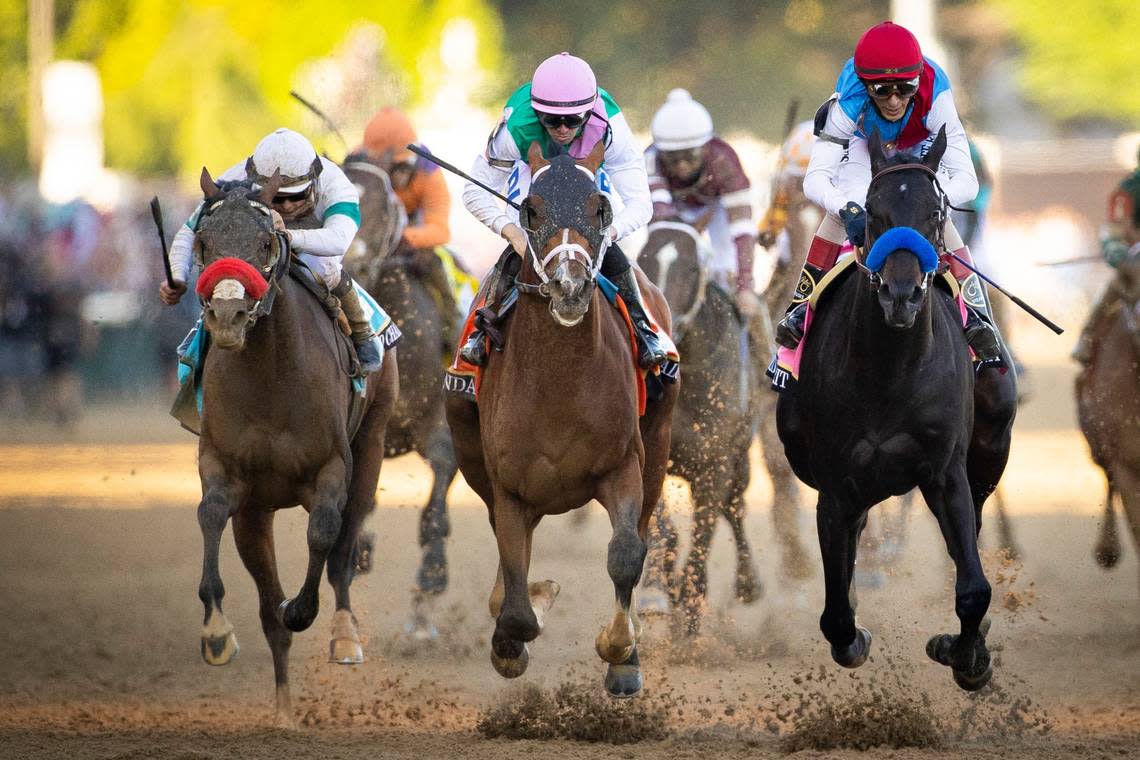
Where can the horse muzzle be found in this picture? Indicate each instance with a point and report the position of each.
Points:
(900, 309)
(569, 297)
(228, 320)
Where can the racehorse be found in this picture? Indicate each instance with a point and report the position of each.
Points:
(1108, 406)
(712, 423)
(887, 400)
(556, 419)
(390, 270)
(275, 429)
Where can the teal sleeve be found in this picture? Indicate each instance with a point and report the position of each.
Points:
(345, 208)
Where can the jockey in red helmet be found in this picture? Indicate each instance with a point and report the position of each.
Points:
(888, 87)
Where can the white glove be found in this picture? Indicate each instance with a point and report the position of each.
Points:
(514, 235)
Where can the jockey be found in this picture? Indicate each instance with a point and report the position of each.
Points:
(419, 184)
(564, 110)
(888, 87)
(1119, 240)
(422, 190)
(312, 185)
(692, 171)
(795, 153)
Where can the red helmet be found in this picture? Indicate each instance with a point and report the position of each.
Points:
(888, 51)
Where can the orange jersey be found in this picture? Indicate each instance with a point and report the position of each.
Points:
(428, 204)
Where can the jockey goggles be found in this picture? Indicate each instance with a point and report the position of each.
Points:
(682, 156)
(904, 88)
(556, 120)
(301, 195)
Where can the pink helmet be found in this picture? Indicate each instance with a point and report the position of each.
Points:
(563, 84)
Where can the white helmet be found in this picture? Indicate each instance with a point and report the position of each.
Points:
(288, 152)
(681, 123)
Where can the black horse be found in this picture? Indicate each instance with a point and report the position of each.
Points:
(887, 400)
(712, 423)
(395, 275)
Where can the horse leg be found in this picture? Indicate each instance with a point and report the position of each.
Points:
(434, 524)
(1127, 480)
(1005, 526)
(747, 588)
(659, 588)
(520, 606)
(966, 654)
(325, 521)
(794, 563)
(220, 500)
(838, 538)
(1107, 551)
(621, 494)
(253, 535)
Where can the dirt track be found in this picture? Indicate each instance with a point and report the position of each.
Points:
(101, 556)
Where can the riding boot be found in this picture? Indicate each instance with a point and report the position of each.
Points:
(651, 353)
(500, 284)
(1107, 303)
(820, 259)
(367, 350)
(981, 333)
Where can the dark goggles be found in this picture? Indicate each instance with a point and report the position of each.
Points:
(293, 197)
(556, 120)
(904, 88)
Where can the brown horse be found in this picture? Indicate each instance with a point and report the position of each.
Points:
(396, 276)
(275, 432)
(712, 424)
(556, 422)
(1108, 405)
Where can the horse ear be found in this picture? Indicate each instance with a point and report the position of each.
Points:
(270, 188)
(875, 149)
(597, 155)
(534, 158)
(206, 182)
(933, 157)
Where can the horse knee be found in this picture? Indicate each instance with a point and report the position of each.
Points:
(324, 527)
(971, 602)
(626, 558)
(213, 513)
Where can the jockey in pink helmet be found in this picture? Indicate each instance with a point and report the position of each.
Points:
(564, 111)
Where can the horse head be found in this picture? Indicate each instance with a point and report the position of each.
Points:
(673, 258)
(564, 217)
(239, 251)
(382, 217)
(906, 213)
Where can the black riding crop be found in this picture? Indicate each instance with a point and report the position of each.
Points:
(156, 212)
(1033, 312)
(321, 115)
(443, 164)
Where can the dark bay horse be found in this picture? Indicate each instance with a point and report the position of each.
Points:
(1108, 406)
(275, 430)
(556, 422)
(888, 401)
(390, 270)
(712, 422)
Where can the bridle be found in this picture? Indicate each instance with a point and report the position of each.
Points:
(682, 322)
(273, 270)
(563, 252)
(395, 208)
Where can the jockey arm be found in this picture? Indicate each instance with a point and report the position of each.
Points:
(736, 197)
(435, 205)
(659, 194)
(492, 168)
(626, 168)
(338, 205)
(956, 173)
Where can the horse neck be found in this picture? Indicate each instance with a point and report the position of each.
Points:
(274, 342)
(869, 335)
(535, 333)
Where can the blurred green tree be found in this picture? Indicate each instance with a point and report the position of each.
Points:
(187, 82)
(1080, 58)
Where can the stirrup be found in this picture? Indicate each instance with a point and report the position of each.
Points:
(650, 351)
(474, 351)
(790, 329)
(984, 340)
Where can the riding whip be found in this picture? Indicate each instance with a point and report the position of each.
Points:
(156, 212)
(321, 115)
(424, 153)
(1033, 312)
(1066, 262)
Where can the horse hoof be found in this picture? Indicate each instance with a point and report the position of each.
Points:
(511, 667)
(362, 553)
(219, 650)
(284, 722)
(653, 601)
(854, 654)
(969, 682)
(421, 631)
(345, 652)
(624, 680)
(748, 590)
(286, 613)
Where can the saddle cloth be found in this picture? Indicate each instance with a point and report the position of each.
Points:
(464, 378)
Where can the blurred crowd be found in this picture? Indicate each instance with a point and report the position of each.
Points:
(78, 320)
